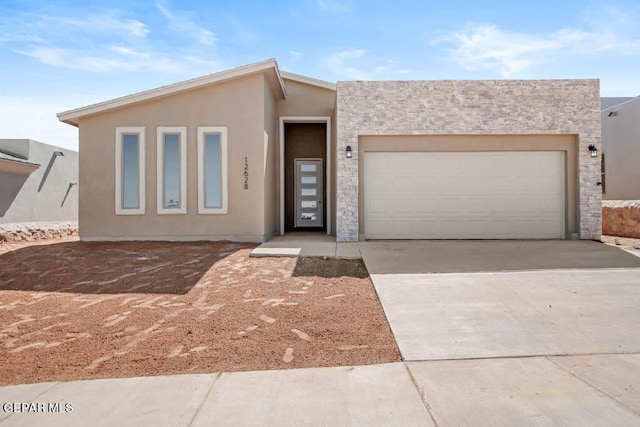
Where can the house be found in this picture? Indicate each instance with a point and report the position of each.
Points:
(38, 182)
(621, 148)
(253, 152)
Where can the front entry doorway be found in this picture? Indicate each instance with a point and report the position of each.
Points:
(305, 176)
(309, 193)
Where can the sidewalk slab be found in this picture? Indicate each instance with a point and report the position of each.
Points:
(22, 393)
(152, 401)
(514, 392)
(617, 375)
(376, 395)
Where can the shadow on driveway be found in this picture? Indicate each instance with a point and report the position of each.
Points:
(468, 256)
(112, 267)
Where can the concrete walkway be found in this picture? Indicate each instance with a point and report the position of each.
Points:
(593, 390)
(307, 244)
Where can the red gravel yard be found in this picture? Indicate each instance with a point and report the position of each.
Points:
(73, 310)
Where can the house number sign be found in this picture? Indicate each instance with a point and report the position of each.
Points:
(246, 174)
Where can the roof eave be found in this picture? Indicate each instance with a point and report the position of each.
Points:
(622, 104)
(309, 80)
(19, 166)
(72, 116)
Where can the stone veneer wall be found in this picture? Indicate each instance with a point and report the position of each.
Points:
(498, 107)
(621, 218)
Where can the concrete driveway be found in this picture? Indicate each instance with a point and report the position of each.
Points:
(528, 333)
(467, 256)
(569, 297)
(508, 314)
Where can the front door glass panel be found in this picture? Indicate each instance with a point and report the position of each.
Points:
(309, 193)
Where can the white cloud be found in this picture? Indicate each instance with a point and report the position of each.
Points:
(242, 33)
(109, 21)
(358, 64)
(333, 6)
(13, 37)
(119, 58)
(182, 23)
(489, 47)
(108, 40)
(486, 46)
(341, 63)
(127, 51)
(70, 29)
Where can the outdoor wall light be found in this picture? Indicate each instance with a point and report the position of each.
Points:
(349, 152)
(593, 150)
(612, 114)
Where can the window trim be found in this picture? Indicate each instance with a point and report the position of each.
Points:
(224, 209)
(161, 131)
(120, 132)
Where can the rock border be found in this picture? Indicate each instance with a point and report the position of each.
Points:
(31, 231)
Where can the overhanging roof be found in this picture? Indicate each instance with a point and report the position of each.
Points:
(622, 104)
(308, 80)
(269, 66)
(13, 164)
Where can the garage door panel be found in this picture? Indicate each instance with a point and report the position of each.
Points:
(464, 195)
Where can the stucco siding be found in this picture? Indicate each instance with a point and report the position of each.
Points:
(271, 205)
(621, 146)
(49, 193)
(537, 107)
(237, 104)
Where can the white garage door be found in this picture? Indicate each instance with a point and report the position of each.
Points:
(464, 195)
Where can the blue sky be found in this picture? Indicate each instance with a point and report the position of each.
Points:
(66, 54)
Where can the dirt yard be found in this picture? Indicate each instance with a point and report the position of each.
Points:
(71, 310)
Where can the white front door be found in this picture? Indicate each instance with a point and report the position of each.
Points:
(309, 193)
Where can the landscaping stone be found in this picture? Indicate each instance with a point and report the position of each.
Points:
(621, 218)
(30, 231)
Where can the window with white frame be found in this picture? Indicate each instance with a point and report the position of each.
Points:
(212, 170)
(172, 170)
(130, 167)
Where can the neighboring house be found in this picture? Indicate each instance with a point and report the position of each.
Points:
(38, 182)
(252, 152)
(621, 148)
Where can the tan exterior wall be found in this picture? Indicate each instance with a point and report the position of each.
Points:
(307, 100)
(238, 104)
(271, 203)
(621, 146)
(452, 143)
